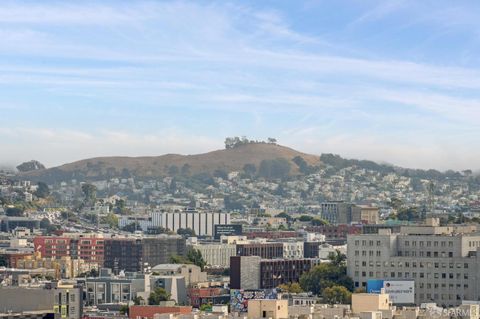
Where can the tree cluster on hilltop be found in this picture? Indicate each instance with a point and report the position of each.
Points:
(232, 142)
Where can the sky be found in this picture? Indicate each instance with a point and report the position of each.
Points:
(390, 81)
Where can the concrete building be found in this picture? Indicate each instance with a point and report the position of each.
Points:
(108, 288)
(253, 272)
(64, 300)
(191, 273)
(268, 308)
(365, 214)
(216, 254)
(442, 261)
(337, 212)
(203, 223)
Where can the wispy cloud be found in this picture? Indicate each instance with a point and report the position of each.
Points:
(219, 67)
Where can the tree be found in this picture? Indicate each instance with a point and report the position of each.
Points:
(305, 218)
(185, 169)
(120, 206)
(138, 301)
(186, 232)
(409, 213)
(318, 222)
(173, 170)
(326, 275)
(196, 258)
(47, 225)
(272, 140)
(111, 219)
(337, 258)
(206, 307)
(220, 173)
(90, 193)
(3, 261)
(250, 169)
(274, 169)
(284, 215)
(337, 295)
(123, 309)
(158, 295)
(14, 211)
(42, 190)
(176, 259)
(292, 288)
(132, 227)
(303, 166)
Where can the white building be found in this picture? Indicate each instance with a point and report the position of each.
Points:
(203, 223)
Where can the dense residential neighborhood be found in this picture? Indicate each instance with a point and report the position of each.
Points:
(213, 243)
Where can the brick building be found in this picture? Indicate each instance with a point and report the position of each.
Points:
(88, 248)
(264, 250)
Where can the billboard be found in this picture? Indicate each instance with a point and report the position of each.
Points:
(227, 230)
(239, 298)
(400, 291)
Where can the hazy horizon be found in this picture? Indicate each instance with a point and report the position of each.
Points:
(394, 81)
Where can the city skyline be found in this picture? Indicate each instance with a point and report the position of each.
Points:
(394, 82)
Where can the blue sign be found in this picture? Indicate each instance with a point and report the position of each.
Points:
(374, 286)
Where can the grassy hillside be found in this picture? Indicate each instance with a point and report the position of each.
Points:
(233, 159)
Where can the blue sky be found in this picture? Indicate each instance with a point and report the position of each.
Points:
(394, 81)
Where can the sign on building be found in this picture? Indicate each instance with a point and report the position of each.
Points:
(400, 291)
(227, 230)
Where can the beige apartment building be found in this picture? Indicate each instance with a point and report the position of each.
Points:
(443, 261)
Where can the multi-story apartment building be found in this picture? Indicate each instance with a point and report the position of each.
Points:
(107, 289)
(253, 272)
(442, 261)
(134, 254)
(86, 247)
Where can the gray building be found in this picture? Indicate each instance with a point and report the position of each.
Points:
(64, 301)
(337, 212)
(108, 288)
(442, 261)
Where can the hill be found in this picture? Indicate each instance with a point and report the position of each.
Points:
(226, 160)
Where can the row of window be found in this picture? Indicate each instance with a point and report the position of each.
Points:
(429, 243)
(427, 275)
(413, 264)
(422, 253)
